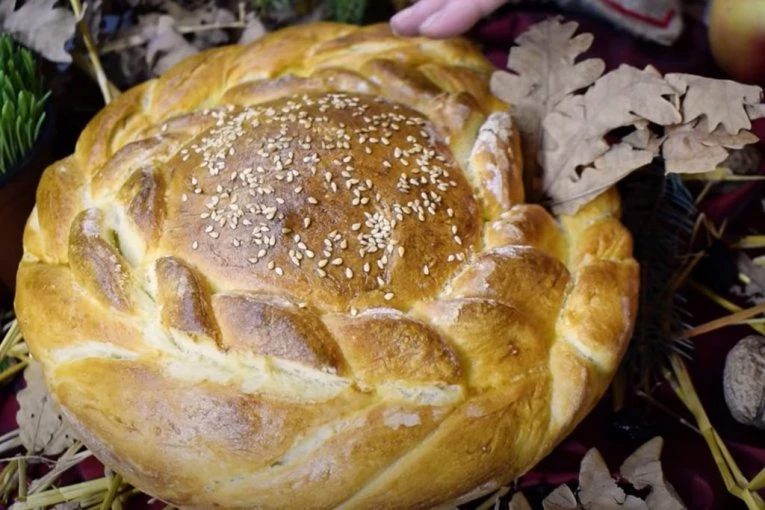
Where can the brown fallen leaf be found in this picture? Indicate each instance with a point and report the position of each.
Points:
(568, 115)
(253, 31)
(519, 502)
(643, 138)
(721, 102)
(171, 30)
(753, 271)
(637, 95)
(543, 71)
(42, 428)
(205, 15)
(607, 170)
(643, 469)
(692, 148)
(755, 111)
(560, 499)
(39, 25)
(578, 162)
(166, 47)
(597, 488)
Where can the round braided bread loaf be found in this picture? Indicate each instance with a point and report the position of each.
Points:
(301, 274)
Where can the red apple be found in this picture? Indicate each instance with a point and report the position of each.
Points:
(737, 38)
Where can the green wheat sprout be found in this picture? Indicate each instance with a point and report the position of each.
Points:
(347, 11)
(22, 103)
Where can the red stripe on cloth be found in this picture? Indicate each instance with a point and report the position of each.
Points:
(658, 22)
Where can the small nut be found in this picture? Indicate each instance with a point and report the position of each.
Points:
(744, 381)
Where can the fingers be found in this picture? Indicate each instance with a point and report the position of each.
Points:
(408, 21)
(457, 17)
(442, 18)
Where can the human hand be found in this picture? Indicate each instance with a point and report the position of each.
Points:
(442, 18)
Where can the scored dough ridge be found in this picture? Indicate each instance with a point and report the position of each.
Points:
(470, 335)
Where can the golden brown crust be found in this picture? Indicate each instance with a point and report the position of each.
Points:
(414, 354)
(301, 273)
(269, 325)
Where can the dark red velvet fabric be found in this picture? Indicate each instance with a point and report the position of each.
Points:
(689, 465)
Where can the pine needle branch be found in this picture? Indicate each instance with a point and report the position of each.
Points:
(660, 213)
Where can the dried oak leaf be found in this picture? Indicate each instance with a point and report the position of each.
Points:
(561, 499)
(722, 102)
(166, 46)
(254, 29)
(206, 15)
(644, 138)
(692, 148)
(755, 272)
(579, 162)
(519, 502)
(40, 26)
(544, 71)
(42, 428)
(599, 491)
(643, 469)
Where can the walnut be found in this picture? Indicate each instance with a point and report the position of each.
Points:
(744, 381)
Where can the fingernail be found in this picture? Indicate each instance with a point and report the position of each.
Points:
(432, 22)
(401, 16)
(400, 23)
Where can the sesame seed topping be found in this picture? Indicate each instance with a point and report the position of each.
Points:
(301, 148)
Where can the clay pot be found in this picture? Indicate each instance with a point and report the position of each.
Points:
(18, 187)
